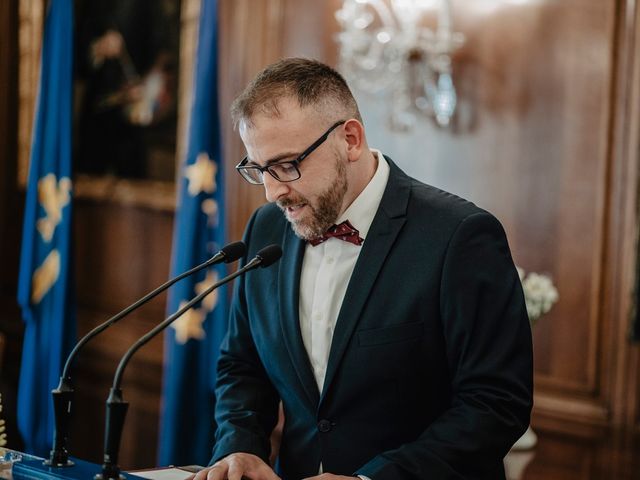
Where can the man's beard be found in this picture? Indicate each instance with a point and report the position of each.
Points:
(326, 210)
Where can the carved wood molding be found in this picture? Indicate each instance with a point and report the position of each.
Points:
(150, 194)
(574, 409)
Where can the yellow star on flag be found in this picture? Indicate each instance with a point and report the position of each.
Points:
(53, 195)
(211, 300)
(45, 276)
(210, 209)
(201, 175)
(189, 325)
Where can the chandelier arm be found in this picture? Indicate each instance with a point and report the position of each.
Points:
(444, 33)
(384, 46)
(384, 13)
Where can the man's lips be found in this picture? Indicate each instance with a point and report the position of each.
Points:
(293, 211)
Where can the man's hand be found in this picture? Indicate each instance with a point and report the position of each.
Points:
(236, 467)
(331, 476)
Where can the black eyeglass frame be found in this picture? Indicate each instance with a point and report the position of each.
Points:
(242, 167)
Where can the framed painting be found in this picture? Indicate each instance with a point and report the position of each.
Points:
(133, 61)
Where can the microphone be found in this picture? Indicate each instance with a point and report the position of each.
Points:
(63, 394)
(117, 407)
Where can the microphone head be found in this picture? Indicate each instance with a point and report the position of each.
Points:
(269, 255)
(233, 251)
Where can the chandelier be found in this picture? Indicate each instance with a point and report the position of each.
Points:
(385, 48)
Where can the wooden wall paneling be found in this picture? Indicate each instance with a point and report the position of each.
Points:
(121, 254)
(628, 371)
(536, 154)
(612, 362)
(141, 388)
(611, 456)
(311, 28)
(531, 144)
(623, 370)
(251, 35)
(564, 134)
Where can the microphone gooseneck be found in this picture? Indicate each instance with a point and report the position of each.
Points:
(63, 394)
(116, 406)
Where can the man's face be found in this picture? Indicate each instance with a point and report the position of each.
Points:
(313, 202)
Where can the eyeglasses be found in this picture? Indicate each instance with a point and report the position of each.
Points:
(283, 171)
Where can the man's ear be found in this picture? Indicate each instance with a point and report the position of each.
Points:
(354, 135)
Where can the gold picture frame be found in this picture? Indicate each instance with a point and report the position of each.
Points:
(154, 194)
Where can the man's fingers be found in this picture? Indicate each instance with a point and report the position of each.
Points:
(201, 475)
(266, 473)
(236, 467)
(217, 472)
(271, 475)
(235, 472)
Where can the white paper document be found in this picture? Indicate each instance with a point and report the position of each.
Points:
(170, 473)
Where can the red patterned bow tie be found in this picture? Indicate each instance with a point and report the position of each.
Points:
(343, 231)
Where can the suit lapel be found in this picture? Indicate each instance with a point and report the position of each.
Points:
(289, 293)
(386, 225)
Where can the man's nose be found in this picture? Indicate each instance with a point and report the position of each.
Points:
(273, 188)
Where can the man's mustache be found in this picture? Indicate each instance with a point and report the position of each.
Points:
(290, 202)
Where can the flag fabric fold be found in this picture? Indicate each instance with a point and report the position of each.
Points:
(191, 345)
(44, 286)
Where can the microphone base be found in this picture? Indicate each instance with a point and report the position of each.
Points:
(62, 398)
(58, 458)
(100, 476)
(110, 471)
(51, 462)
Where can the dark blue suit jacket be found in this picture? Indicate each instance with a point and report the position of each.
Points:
(430, 369)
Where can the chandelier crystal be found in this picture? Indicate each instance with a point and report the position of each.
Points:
(385, 48)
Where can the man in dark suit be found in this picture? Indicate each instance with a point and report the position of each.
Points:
(397, 339)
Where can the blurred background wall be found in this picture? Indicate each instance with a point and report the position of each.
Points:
(546, 139)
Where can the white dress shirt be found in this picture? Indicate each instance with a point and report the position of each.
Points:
(326, 271)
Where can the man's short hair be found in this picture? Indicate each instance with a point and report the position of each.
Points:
(311, 82)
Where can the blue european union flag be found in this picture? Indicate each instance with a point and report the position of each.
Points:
(44, 286)
(192, 345)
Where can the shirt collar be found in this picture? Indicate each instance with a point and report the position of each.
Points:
(362, 210)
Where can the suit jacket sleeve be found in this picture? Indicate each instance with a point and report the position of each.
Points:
(247, 403)
(489, 352)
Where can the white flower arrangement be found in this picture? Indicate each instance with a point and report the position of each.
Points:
(539, 293)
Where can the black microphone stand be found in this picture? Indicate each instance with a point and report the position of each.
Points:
(63, 395)
(117, 407)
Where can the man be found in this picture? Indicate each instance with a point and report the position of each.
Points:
(398, 343)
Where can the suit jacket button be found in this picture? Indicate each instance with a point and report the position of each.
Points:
(324, 426)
